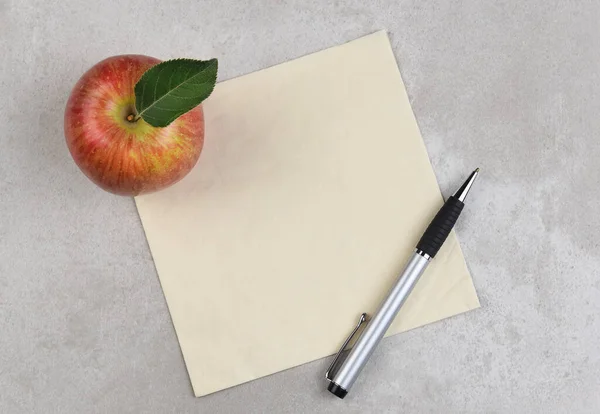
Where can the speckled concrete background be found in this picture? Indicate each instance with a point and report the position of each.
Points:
(511, 86)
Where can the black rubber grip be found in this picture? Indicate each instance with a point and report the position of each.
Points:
(440, 227)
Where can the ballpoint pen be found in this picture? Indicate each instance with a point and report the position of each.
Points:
(343, 373)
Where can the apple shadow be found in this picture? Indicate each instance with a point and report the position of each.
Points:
(37, 117)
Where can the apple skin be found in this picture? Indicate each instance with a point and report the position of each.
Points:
(124, 157)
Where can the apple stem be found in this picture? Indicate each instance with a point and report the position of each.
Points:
(133, 118)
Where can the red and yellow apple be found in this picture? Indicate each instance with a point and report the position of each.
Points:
(117, 150)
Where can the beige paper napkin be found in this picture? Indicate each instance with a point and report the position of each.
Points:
(311, 193)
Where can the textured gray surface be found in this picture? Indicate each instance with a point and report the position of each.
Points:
(513, 87)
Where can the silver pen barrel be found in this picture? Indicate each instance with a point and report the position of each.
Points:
(377, 326)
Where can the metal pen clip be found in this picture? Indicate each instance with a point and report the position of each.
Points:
(361, 320)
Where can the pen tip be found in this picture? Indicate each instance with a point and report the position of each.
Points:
(462, 192)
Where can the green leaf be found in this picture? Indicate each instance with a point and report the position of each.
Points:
(172, 88)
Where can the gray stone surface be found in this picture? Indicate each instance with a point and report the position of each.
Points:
(511, 86)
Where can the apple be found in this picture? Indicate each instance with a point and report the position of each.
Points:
(118, 150)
